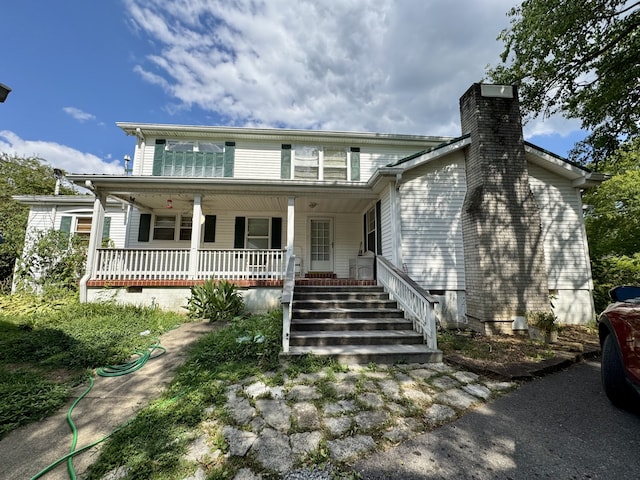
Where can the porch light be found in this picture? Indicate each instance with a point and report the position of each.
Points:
(4, 92)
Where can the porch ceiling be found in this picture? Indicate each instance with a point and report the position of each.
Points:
(183, 203)
(152, 193)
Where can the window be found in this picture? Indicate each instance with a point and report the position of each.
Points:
(83, 227)
(306, 162)
(373, 229)
(164, 228)
(186, 158)
(258, 233)
(335, 164)
(331, 163)
(186, 223)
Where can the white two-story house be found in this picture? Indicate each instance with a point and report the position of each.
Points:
(485, 225)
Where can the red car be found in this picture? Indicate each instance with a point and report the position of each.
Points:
(619, 332)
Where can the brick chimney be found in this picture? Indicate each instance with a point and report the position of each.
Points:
(503, 244)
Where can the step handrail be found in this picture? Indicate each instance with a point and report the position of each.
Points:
(287, 302)
(417, 303)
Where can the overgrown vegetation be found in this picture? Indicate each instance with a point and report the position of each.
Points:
(19, 176)
(154, 443)
(215, 301)
(53, 260)
(49, 343)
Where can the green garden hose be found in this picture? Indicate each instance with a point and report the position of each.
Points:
(108, 371)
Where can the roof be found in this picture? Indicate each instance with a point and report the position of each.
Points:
(143, 130)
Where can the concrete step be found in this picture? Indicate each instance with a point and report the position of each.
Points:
(328, 313)
(353, 324)
(363, 354)
(338, 288)
(312, 304)
(359, 337)
(346, 295)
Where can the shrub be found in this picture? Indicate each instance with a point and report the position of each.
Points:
(215, 301)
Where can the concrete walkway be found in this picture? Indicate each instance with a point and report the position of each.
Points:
(112, 401)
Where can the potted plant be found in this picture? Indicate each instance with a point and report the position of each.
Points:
(543, 326)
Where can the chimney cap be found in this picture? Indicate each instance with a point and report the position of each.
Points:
(496, 91)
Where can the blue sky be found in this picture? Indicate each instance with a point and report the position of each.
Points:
(391, 66)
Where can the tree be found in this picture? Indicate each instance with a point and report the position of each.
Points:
(612, 218)
(578, 58)
(19, 176)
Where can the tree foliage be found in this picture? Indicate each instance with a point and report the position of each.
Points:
(579, 58)
(19, 176)
(612, 218)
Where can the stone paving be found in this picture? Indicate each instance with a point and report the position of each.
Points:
(337, 416)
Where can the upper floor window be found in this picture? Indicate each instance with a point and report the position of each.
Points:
(310, 162)
(187, 158)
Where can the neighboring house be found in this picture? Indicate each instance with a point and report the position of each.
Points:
(487, 223)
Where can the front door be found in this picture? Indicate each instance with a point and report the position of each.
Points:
(321, 248)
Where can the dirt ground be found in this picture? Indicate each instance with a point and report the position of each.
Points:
(506, 349)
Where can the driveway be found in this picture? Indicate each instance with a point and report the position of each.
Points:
(560, 426)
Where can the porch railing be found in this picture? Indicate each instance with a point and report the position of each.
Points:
(173, 264)
(287, 302)
(416, 302)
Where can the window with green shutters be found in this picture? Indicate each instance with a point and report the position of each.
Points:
(330, 163)
(180, 158)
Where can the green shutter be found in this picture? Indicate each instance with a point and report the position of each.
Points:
(229, 155)
(285, 161)
(65, 224)
(106, 228)
(209, 228)
(145, 227)
(355, 164)
(276, 233)
(238, 237)
(158, 157)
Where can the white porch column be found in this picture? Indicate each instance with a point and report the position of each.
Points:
(291, 210)
(396, 224)
(95, 241)
(196, 228)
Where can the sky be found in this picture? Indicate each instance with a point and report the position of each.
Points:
(388, 66)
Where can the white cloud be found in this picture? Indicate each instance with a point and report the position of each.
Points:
(58, 156)
(78, 114)
(387, 66)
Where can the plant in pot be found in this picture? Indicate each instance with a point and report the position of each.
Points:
(543, 326)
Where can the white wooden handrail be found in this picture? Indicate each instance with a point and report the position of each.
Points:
(417, 303)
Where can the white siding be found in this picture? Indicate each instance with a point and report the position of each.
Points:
(372, 159)
(431, 203)
(261, 160)
(565, 243)
(257, 160)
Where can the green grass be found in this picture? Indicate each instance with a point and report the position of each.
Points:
(153, 444)
(48, 345)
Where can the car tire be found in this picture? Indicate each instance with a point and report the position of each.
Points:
(614, 380)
